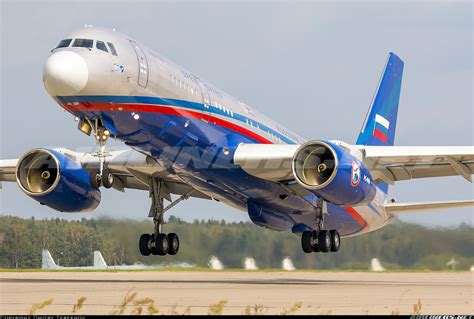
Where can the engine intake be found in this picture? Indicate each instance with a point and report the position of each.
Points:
(332, 173)
(314, 165)
(57, 181)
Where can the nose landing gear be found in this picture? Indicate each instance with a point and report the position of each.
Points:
(102, 176)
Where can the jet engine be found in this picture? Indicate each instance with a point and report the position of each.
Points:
(57, 181)
(333, 174)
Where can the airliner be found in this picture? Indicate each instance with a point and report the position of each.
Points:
(187, 138)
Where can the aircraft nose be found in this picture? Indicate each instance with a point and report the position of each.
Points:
(65, 73)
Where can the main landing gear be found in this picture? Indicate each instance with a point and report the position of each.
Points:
(159, 243)
(320, 240)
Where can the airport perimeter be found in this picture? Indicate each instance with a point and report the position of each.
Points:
(237, 292)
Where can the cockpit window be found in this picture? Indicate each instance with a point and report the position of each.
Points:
(83, 43)
(64, 43)
(112, 49)
(101, 46)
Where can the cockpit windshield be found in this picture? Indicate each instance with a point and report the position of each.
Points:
(83, 43)
(88, 43)
(112, 48)
(64, 43)
(101, 46)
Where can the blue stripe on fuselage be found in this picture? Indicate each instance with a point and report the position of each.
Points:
(171, 102)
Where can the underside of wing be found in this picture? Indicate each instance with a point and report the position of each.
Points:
(386, 164)
(7, 170)
(397, 163)
(131, 170)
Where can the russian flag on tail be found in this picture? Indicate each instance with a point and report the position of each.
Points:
(381, 120)
(381, 128)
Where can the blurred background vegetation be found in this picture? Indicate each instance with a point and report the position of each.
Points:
(71, 243)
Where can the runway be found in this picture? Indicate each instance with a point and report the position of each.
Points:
(275, 292)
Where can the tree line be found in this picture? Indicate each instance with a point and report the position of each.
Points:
(71, 243)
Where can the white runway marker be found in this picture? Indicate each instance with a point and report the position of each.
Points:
(215, 263)
(287, 264)
(375, 265)
(249, 263)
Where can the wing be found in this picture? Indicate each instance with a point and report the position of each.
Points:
(403, 208)
(396, 163)
(131, 170)
(7, 170)
(386, 163)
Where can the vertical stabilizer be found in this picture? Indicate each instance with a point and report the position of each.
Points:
(381, 120)
(99, 261)
(47, 261)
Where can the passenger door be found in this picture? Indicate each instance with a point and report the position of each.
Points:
(142, 64)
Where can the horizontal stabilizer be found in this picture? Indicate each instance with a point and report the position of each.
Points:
(404, 208)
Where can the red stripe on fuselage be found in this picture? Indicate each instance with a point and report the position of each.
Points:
(356, 216)
(109, 107)
(380, 135)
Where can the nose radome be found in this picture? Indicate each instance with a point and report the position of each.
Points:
(65, 73)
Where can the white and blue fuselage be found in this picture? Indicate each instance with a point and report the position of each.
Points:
(189, 126)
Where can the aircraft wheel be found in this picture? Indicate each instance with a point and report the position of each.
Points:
(173, 242)
(161, 244)
(107, 178)
(335, 240)
(316, 245)
(95, 179)
(324, 241)
(306, 241)
(143, 244)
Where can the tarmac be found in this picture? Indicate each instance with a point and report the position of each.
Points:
(195, 292)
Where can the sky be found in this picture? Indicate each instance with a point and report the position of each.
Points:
(312, 66)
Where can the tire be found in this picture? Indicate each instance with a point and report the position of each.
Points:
(107, 178)
(173, 242)
(306, 239)
(316, 246)
(143, 244)
(161, 244)
(153, 245)
(335, 240)
(95, 179)
(324, 241)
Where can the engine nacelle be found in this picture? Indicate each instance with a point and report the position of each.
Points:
(55, 180)
(332, 173)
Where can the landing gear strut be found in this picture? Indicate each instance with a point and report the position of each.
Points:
(102, 176)
(159, 243)
(320, 240)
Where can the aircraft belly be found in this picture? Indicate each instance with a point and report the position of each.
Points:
(193, 149)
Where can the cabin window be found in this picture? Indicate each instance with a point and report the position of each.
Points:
(64, 43)
(83, 43)
(112, 49)
(101, 46)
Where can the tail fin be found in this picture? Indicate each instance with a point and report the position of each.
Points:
(381, 120)
(47, 261)
(99, 261)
